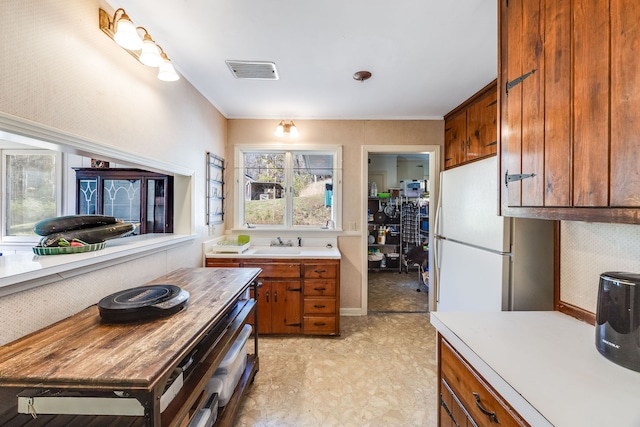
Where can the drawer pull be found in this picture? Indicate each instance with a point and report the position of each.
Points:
(319, 271)
(319, 289)
(319, 306)
(492, 415)
(319, 324)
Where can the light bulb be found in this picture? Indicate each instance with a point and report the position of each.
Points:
(150, 55)
(167, 73)
(279, 130)
(293, 131)
(126, 34)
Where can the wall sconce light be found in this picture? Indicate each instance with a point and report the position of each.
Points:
(125, 33)
(289, 129)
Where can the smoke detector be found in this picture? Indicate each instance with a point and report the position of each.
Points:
(256, 70)
(361, 75)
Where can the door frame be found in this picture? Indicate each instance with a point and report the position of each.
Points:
(434, 184)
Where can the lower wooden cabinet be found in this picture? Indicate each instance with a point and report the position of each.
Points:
(295, 296)
(279, 307)
(465, 397)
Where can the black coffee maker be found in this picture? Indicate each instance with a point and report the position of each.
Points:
(618, 318)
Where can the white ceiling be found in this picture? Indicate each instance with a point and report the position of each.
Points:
(426, 56)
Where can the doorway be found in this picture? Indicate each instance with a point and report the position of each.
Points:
(406, 177)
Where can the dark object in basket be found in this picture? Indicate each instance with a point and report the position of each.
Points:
(393, 260)
(374, 264)
(393, 238)
(417, 255)
(379, 217)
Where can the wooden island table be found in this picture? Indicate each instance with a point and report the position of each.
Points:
(82, 363)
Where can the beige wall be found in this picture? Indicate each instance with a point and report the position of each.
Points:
(59, 69)
(589, 249)
(351, 135)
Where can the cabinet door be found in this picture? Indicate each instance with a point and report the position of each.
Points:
(625, 103)
(481, 126)
(264, 299)
(286, 307)
(455, 139)
(523, 135)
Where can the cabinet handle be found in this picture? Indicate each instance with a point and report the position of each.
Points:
(267, 295)
(319, 289)
(275, 296)
(319, 324)
(319, 306)
(319, 271)
(492, 415)
(294, 289)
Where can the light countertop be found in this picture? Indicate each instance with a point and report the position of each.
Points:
(314, 248)
(545, 364)
(26, 269)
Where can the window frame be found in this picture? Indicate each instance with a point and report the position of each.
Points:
(4, 153)
(288, 149)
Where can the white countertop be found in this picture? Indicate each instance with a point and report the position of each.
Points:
(545, 364)
(259, 248)
(23, 270)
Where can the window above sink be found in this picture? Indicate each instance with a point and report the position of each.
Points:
(288, 187)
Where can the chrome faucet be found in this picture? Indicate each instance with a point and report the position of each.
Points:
(279, 242)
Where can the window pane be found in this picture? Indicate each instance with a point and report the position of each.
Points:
(312, 189)
(122, 199)
(155, 206)
(88, 197)
(264, 195)
(31, 191)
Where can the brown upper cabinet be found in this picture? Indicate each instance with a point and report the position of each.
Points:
(569, 96)
(471, 129)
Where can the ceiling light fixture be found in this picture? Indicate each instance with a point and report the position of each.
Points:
(289, 129)
(361, 75)
(125, 33)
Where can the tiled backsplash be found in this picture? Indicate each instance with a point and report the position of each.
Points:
(588, 249)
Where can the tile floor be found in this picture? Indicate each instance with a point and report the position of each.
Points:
(381, 371)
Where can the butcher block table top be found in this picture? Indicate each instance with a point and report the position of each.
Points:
(82, 352)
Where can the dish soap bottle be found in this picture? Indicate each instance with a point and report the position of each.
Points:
(374, 190)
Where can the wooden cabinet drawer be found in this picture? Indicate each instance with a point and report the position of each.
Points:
(318, 325)
(320, 287)
(319, 306)
(320, 271)
(213, 262)
(277, 270)
(483, 404)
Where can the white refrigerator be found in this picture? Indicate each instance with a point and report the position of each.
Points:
(485, 262)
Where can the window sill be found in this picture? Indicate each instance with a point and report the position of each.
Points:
(24, 270)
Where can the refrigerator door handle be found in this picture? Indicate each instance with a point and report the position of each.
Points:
(437, 241)
(436, 252)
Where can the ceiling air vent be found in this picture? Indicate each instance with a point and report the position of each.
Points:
(259, 70)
